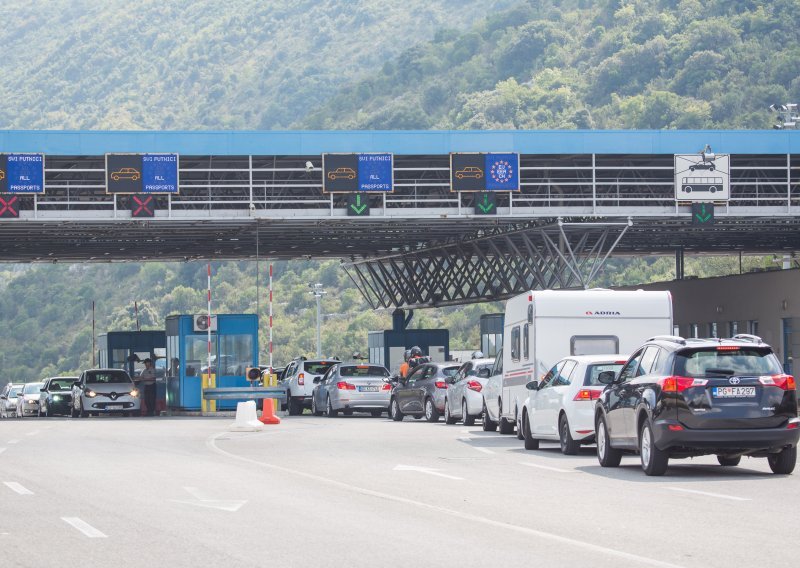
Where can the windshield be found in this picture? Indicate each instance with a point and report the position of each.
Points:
(14, 392)
(107, 377)
(593, 371)
(319, 368)
(32, 388)
(726, 362)
(61, 384)
(363, 371)
(450, 371)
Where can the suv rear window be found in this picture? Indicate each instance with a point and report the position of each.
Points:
(724, 361)
(318, 368)
(593, 371)
(362, 371)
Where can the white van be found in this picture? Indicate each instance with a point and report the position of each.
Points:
(542, 327)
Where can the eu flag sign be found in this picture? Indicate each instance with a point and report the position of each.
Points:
(493, 171)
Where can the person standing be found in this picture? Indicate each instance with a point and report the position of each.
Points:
(147, 379)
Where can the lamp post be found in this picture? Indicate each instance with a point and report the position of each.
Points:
(318, 292)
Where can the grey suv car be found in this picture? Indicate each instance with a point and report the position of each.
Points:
(678, 398)
(423, 392)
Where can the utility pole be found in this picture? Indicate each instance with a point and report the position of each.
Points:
(318, 292)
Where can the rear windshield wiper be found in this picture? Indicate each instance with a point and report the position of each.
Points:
(718, 371)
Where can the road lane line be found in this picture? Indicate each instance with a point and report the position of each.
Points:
(84, 527)
(468, 442)
(17, 488)
(32, 433)
(211, 444)
(709, 494)
(547, 467)
(427, 471)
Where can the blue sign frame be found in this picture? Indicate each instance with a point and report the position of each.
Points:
(484, 171)
(358, 173)
(142, 173)
(24, 173)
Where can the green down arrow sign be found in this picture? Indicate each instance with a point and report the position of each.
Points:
(485, 203)
(702, 213)
(356, 206)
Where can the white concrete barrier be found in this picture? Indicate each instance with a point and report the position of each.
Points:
(246, 418)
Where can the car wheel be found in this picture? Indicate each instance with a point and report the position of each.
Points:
(431, 414)
(569, 447)
(295, 408)
(520, 434)
(331, 412)
(531, 443)
(465, 417)
(314, 410)
(81, 412)
(394, 411)
(654, 461)
(489, 425)
(783, 462)
(729, 462)
(72, 413)
(606, 455)
(376, 413)
(448, 417)
(504, 426)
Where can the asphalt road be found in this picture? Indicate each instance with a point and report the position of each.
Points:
(359, 491)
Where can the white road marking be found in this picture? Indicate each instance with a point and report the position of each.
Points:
(468, 440)
(2, 450)
(84, 527)
(708, 494)
(466, 431)
(221, 504)
(547, 467)
(32, 433)
(13, 441)
(17, 488)
(211, 444)
(427, 470)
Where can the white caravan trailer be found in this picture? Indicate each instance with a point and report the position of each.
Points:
(544, 326)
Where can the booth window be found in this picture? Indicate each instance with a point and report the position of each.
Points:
(594, 344)
(196, 354)
(235, 354)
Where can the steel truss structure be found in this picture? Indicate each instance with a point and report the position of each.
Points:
(492, 267)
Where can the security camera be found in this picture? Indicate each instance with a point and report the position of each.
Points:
(707, 154)
(252, 207)
(309, 167)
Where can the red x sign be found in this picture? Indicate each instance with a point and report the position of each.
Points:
(9, 207)
(143, 206)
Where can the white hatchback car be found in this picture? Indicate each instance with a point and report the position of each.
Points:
(463, 399)
(560, 407)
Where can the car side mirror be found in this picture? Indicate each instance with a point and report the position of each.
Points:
(485, 373)
(317, 380)
(532, 385)
(607, 377)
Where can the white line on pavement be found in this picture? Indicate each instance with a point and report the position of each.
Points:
(2, 450)
(84, 527)
(32, 433)
(17, 488)
(211, 443)
(13, 441)
(547, 467)
(426, 470)
(468, 440)
(708, 494)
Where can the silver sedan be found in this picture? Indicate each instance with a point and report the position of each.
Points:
(349, 387)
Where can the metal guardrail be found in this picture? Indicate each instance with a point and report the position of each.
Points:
(244, 393)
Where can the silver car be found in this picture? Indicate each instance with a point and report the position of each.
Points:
(464, 399)
(28, 400)
(351, 388)
(104, 391)
(8, 399)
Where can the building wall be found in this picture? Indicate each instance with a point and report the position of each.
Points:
(768, 298)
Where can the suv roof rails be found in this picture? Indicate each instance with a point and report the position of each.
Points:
(672, 338)
(748, 337)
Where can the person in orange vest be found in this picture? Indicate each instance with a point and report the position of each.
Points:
(404, 365)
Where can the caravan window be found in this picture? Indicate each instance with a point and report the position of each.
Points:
(526, 343)
(515, 343)
(594, 344)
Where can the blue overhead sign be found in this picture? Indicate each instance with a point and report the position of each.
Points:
(502, 172)
(142, 173)
(160, 173)
(484, 172)
(22, 173)
(350, 173)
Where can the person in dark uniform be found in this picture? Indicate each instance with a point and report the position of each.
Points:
(147, 379)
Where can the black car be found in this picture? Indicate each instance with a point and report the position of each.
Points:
(423, 392)
(56, 397)
(679, 398)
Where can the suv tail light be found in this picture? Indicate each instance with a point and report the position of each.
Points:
(386, 386)
(344, 386)
(474, 386)
(587, 394)
(785, 382)
(680, 384)
(441, 385)
(301, 379)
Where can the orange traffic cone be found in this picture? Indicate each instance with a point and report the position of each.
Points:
(268, 413)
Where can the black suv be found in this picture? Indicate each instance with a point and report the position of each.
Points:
(678, 398)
